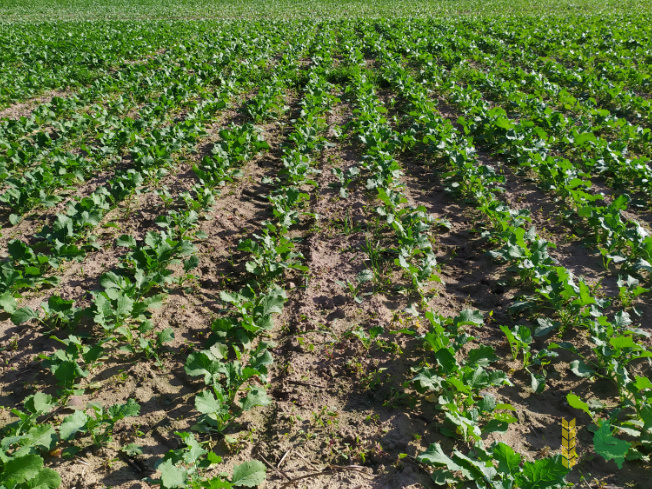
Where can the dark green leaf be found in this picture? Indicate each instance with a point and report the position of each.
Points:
(482, 356)
(546, 473)
(23, 315)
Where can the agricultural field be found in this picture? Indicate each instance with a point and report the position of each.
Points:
(325, 245)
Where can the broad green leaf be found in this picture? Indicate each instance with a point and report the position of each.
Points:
(248, 474)
(7, 302)
(622, 319)
(132, 450)
(446, 359)
(427, 380)
(608, 446)
(22, 468)
(444, 477)
(110, 280)
(365, 275)
(273, 301)
(66, 372)
(508, 460)
(213, 458)
(154, 301)
(623, 342)
(475, 470)
(579, 368)
(126, 241)
(124, 306)
(42, 436)
(482, 356)
(487, 403)
(219, 351)
(39, 403)
(469, 317)
(45, 479)
(495, 426)
(642, 383)
(172, 476)
(201, 364)
(546, 326)
(537, 382)
(218, 483)
(546, 473)
(575, 402)
(434, 455)
(130, 409)
(73, 424)
(93, 354)
(165, 336)
(503, 123)
(190, 263)
(206, 403)
(255, 397)
(194, 450)
(584, 137)
(23, 315)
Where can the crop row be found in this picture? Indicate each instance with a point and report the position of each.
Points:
(528, 107)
